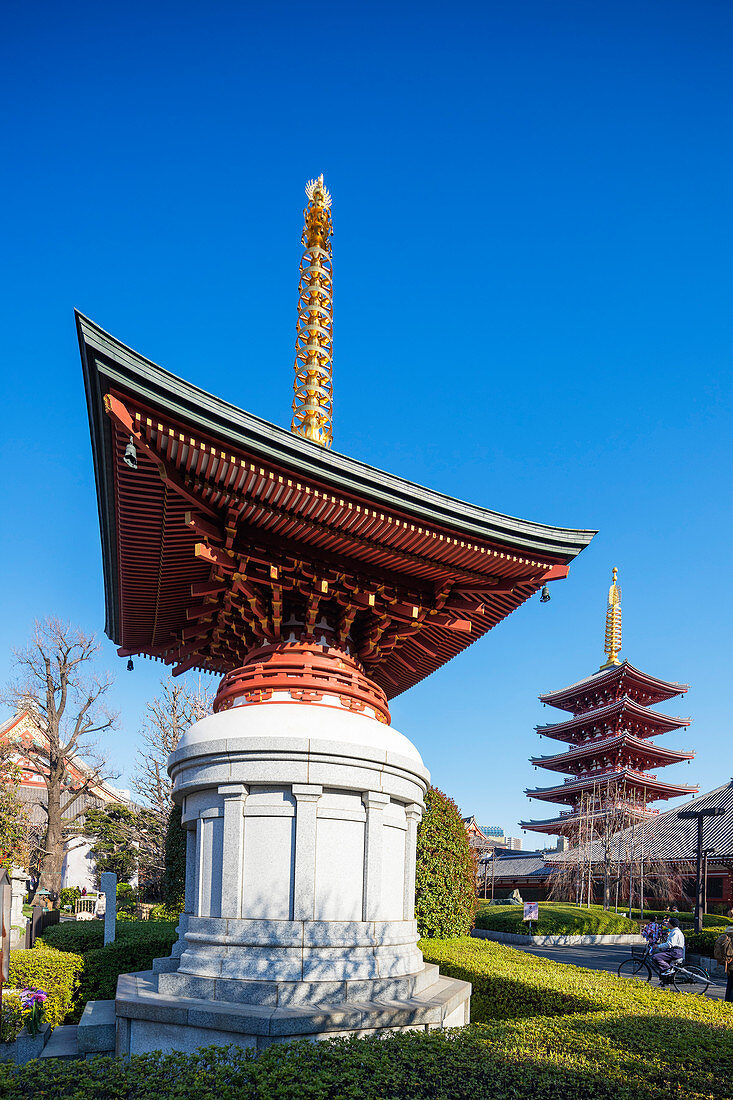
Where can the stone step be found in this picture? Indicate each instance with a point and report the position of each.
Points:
(439, 1005)
(172, 982)
(63, 1043)
(166, 966)
(96, 1033)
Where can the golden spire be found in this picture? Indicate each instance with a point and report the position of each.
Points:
(313, 386)
(613, 624)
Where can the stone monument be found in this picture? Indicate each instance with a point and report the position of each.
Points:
(108, 885)
(301, 823)
(319, 588)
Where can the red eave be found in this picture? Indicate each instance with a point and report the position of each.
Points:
(653, 788)
(282, 517)
(646, 722)
(623, 679)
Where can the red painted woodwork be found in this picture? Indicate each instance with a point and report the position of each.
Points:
(215, 550)
(305, 672)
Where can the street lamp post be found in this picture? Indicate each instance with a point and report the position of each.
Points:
(706, 852)
(700, 815)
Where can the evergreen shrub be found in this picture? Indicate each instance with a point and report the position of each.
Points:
(83, 936)
(702, 943)
(445, 878)
(174, 876)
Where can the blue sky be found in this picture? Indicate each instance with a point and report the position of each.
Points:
(533, 264)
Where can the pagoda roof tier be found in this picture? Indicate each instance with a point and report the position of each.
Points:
(613, 683)
(642, 720)
(567, 823)
(651, 787)
(634, 750)
(220, 526)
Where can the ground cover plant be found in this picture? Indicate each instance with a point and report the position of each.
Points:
(543, 1030)
(556, 918)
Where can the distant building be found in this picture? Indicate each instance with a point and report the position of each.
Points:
(486, 838)
(502, 871)
(22, 731)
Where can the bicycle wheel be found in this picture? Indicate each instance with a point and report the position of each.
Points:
(691, 979)
(635, 968)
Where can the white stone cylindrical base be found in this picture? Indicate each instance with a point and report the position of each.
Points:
(303, 822)
(300, 884)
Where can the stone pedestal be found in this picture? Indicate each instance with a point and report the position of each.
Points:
(25, 1047)
(301, 822)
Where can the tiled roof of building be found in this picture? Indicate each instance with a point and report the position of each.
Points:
(666, 837)
(526, 865)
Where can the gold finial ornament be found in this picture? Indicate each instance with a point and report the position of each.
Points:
(313, 386)
(613, 623)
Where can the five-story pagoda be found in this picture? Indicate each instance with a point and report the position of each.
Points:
(610, 735)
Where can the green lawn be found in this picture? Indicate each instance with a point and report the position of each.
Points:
(562, 917)
(556, 917)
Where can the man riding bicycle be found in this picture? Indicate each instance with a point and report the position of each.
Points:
(669, 951)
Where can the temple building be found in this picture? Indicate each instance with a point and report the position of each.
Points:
(609, 732)
(26, 744)
(318, 588)
(484, 838)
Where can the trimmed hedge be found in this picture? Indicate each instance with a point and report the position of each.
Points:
(445, 879)
(702, 943)
(709, 920)
(82, 936)
(549, 1032)
(58, 972)
(103, 966)
(556, 917)
(136, 944)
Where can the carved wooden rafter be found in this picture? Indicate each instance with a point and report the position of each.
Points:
(251, 587)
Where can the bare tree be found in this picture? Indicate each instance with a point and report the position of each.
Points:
(57, 683)
(167, 718)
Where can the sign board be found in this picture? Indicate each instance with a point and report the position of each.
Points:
(531, 910)
(6, 899)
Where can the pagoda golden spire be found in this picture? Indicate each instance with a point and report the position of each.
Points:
(313, 386)
(613, 624)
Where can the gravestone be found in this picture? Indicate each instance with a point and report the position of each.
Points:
(108, 881)
(17, 920)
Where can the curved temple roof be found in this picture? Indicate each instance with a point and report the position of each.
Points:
(226, 508)
(623, 679)
(646, 722)
(623, 742)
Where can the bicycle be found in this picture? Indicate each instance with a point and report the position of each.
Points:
(683, 978)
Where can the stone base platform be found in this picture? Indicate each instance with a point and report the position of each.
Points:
(168, 1011)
